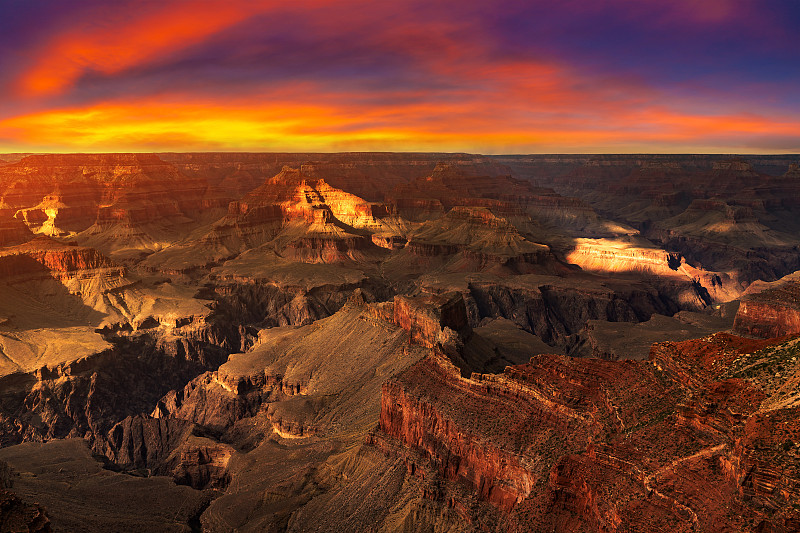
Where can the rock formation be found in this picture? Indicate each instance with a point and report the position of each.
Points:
(16, 515)
(435, 342)
(772, 312)
(588, 445)
(12, 230)
(103, 500)
(106, 198)
(475, 239)
(722, 215)
(430, 318)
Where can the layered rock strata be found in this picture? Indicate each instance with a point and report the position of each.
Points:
(772, 312)
(586, 445)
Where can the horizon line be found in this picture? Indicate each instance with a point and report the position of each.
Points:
(388, 152)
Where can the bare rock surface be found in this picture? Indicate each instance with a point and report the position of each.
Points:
(384, 342)
(591, 445)
(771, 309)
(80, 495)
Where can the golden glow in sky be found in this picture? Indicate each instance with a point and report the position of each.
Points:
(319, 75)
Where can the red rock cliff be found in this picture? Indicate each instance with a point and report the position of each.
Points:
(426, 317)
(587, 445)
(43, 254)
(774, 312)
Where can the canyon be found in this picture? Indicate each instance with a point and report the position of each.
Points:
(399, 342)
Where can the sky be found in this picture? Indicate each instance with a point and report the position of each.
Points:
(481, 76)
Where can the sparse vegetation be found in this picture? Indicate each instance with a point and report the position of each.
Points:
(770, 360)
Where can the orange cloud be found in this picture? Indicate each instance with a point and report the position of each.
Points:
(467, 99)
(402, 75)
(131, 38)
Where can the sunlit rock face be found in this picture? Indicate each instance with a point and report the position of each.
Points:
(103, 199)
(54, 257)
(66, 273)
(298, 194)
(793, 172)
(734, 217)
(693, 288)
(619, 256)
(310, 197)
(68, 208)
(312, 221)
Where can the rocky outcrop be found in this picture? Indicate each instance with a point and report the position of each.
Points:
(493, 473)
(483, 240)
(57, 259)
(602, 255)
(170, 447)
(98, 395)
(773, 312)
(12, 230)
(301, 218)
(475, 430)
(432, 319)
(768, 319)
(299, 195)
(86, 397)
(554, 309)
(588, 445)
(390, 242)
(68, 208)
(211, 402)
(345, 207)
(15, 515)
(793, 173)
(690, 287)
(271, 303)
(74, 191)
(143, 442)
(764, 465)
(325, 241)
(57, 283)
